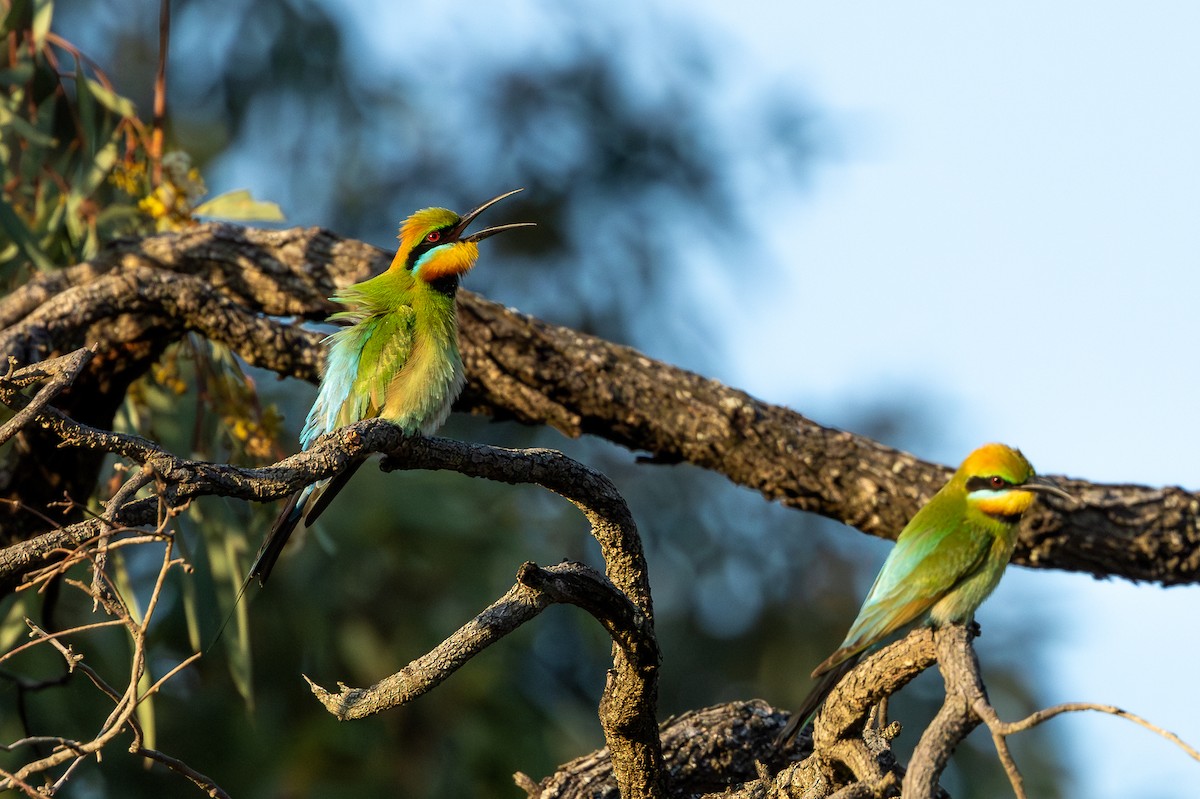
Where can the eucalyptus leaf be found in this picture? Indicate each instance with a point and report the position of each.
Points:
(22, 129)
(43, 12)
(99, 171)
(239, 205)
(122, 106)
(224, 553)
(145, 712)
(86, 104)
(13, 627)
(191, 615)
(21, 236)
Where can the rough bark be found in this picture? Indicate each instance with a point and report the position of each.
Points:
(229, 283)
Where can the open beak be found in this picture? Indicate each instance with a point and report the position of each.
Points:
(469, 216)
(1041, 485)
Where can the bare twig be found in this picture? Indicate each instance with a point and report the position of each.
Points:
(41, 636)
(60, 371)
(967, 705)
(72, 754)
(1034, 719)
(536, 589)
(520, 604)
(16, 782)
(1000, 730)
(201, 781)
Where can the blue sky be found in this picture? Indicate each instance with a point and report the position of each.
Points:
(1013, 221)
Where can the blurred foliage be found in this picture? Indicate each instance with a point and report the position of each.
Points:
(64, 130)
(74, 156)
(650, 160)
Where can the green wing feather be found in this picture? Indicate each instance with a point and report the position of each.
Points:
(387, 343)
(934, 553)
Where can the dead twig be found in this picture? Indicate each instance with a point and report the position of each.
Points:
(61, 372)
(967, 705)
(68, 755)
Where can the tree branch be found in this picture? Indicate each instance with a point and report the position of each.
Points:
(228, 282)
(630, 698)
(705, 751)
(536, 589)
(58, 374)
(967, 705)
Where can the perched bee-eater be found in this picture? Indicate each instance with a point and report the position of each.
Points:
(946, 561)
(397, 357)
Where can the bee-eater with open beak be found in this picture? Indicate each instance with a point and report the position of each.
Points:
(946, 561)
(397, 358)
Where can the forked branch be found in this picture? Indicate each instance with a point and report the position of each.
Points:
(967, 705)
(619, 600)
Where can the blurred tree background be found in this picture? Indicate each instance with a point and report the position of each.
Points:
(650, 162)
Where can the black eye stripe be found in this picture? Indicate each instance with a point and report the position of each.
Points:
(985, 483)
(424, 246)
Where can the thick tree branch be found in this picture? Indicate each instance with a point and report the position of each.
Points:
(228, 283)
(956, 718)
(705, 751)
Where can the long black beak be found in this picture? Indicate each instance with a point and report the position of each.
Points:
(469, 216)
(1041, 485)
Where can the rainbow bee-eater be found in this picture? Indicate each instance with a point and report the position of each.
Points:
(396, 357)
(946, 561)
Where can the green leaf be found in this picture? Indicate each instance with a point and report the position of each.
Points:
(122, 106)
(118, 214)
(21, 236)
(43, 10)
(13, 628)
(191, 613)
(223, 554)
(23, 129)
(238, 204)
(52, 221)
(124, 586)
(101, 166)
(86, 104)
(145, 712)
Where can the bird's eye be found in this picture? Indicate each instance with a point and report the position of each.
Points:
(434, 237)
(997, 481)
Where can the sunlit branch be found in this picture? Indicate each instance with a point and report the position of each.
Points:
(536, 589)
(229, 283)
